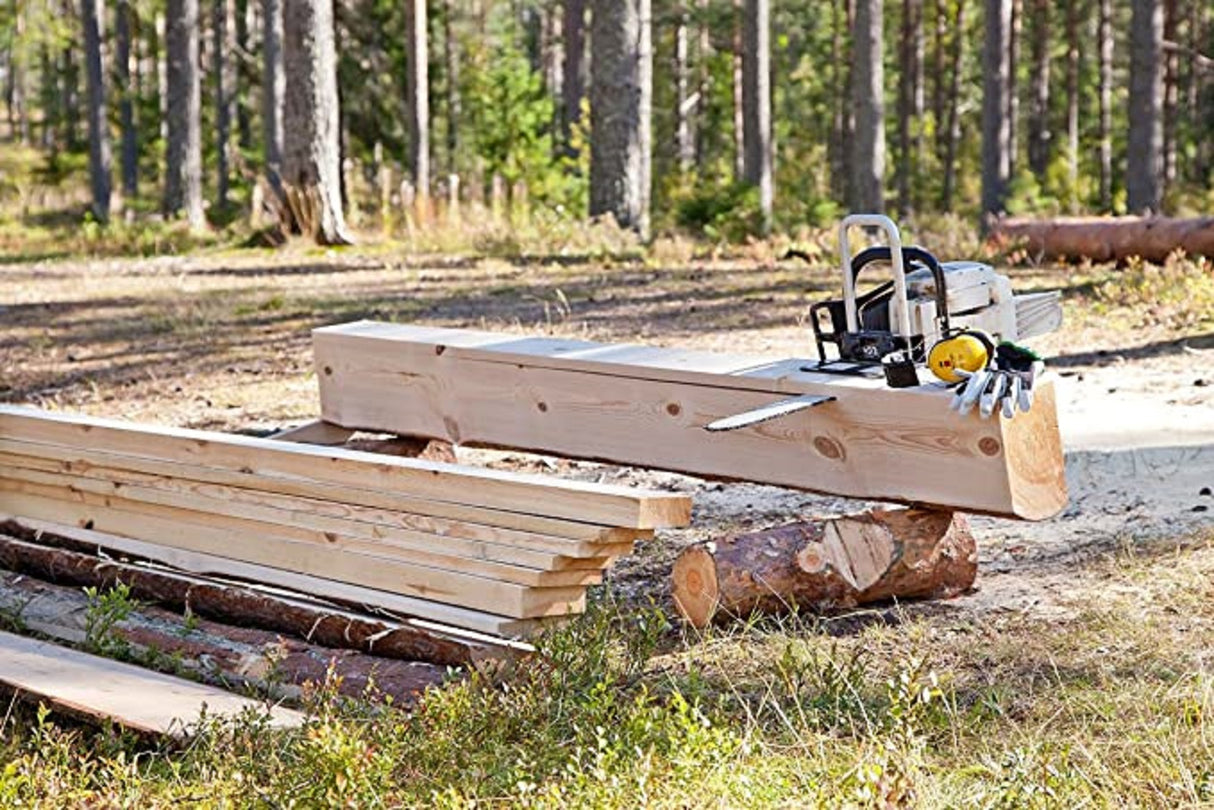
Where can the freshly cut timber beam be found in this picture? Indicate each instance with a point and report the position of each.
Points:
(1105, 239)
(422, 613)
(271, 461)
(252, 542)
(137, 698)
(649, 406)
(841, 562)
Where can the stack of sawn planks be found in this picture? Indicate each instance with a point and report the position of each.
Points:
(480, 549)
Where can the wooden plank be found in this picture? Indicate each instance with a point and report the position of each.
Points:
(254, 522)
(133, 697)
(435, 517)
(873, 442)
(257, 545)
(271, 460)
(429, 614)
(402, 543)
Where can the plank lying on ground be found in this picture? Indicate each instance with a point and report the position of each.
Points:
(222, 655)
(234, 604)
(128, 695)
(393, 528)
(648, 406)
(271, 461)
(427, 614)
(344, 536)
(253, 543)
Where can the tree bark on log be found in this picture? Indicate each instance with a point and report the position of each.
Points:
(212, 652)
(839, 562)
(1104, 239)
(231, 603)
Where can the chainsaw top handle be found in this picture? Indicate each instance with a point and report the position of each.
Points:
(849, 280)
(911, 256)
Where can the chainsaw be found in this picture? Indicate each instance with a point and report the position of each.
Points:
(959, 320)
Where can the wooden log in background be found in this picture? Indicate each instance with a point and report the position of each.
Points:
(1104, 239)
(839, 562)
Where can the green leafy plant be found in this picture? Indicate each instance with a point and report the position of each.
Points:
(105, 611)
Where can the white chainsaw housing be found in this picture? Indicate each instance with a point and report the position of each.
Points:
(978, 298)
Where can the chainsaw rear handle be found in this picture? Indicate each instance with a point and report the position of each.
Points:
(849, 280)
(910, 255)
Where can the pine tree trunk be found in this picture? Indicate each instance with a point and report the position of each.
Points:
(1171, 89)
(93, 16)
(417, 98)
(910, 99)
(52, 105)
(739, 92)
(311, 159)
(839, 147)
(573, 83)
(1203, 94)
(1013, 94)
(183, 154)
(222, 60)
(127, 94)
(273, 88)
(868, 100)
(454, 101)
(1039, 110)
(69, 73)
(954, 111)
(756, 104)
(162, 76)
(1104, 93)
(18, 99)
(621, 97)
(685, 105)
(1073, 15)
(1143, 154)
(245, 21)
(996, 78)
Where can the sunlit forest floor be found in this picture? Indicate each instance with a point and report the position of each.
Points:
(1081, 672)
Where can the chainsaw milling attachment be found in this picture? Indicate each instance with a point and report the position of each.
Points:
(956, 319)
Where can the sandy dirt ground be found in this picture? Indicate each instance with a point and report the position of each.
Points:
(221, 342)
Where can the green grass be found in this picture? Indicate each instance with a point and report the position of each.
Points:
(1109, 704)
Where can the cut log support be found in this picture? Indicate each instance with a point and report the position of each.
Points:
(1104, 239)
(817, 565)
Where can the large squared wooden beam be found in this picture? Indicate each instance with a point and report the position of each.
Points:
(648, 406)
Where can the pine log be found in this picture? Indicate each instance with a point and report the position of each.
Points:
(1104, 239)
(209, 651)
(818, 565)
(335, 628)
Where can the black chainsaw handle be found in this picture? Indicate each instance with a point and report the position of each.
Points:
(910, 255)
